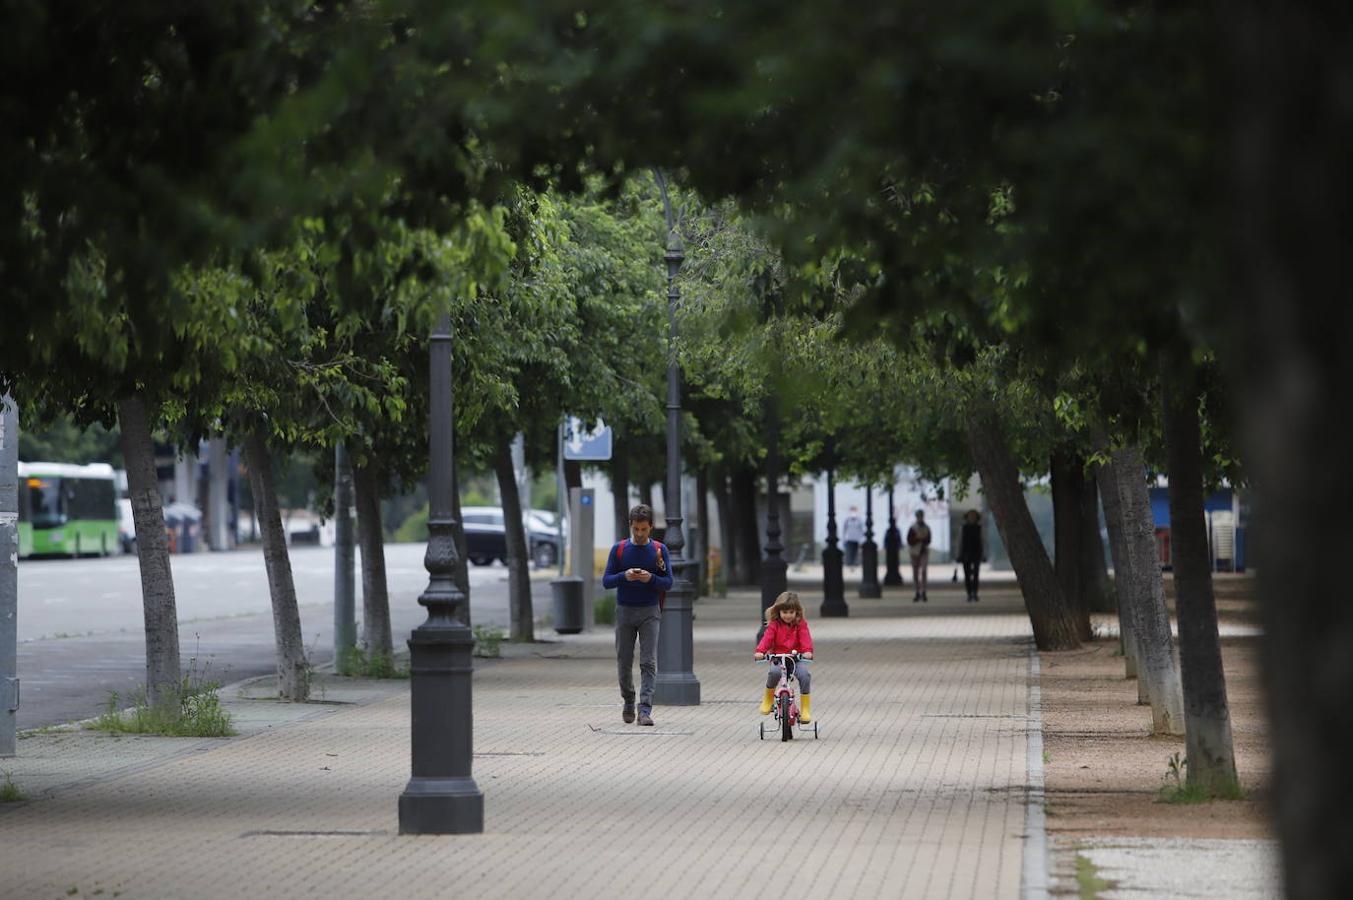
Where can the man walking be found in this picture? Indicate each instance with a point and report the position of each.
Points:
(852, 533)
(639, 570)
(918, 545)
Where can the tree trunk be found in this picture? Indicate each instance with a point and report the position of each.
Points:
(293, 679)
(1142, 590)
(462, 570)
(646, 493)
(163, 673)
(520, 612)
(1113, 518)
(1068, 483)
(620, 491)
(746, 530)
(702, 512)
(1290, 326)
(376, 632)
(727, 545)
(573, 477)
(345, 562)
(1094, 574)
(1211, 756)
(1054, 622)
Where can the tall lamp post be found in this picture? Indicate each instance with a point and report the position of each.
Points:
(892, 545)
(774, 580)
(869, 553)
(676, 684)
(833, 582)
(441, 797)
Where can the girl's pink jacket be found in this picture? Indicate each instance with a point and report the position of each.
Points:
(782, 638)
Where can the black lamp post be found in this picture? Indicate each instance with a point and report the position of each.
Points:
(892, 545)
(774, 580)
(676, 684)
(833, 582)
(869, 552)
(441, 797)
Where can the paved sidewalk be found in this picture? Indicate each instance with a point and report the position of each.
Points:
(918, 786)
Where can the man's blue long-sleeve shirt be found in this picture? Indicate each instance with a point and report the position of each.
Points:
(638, 556)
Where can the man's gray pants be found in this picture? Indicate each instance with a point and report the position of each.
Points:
(639, 622)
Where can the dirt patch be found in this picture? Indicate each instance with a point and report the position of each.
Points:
(1103, 768)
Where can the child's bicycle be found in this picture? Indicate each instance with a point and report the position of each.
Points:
(786, 708)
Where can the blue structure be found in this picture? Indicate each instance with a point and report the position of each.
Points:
(1220, 501)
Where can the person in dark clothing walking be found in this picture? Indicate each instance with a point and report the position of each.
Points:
(639, 571)
(971, 552)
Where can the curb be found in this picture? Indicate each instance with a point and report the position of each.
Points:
(1034, 880)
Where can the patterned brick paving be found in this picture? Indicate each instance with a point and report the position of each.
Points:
(915, 789)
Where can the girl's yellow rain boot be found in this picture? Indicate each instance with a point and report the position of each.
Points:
(805, 708)
(767, 701)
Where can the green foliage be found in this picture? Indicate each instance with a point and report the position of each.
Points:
(358, 663)
(414, 529)
(488, 641)
(9, 791)
(197, 713)
(604, 607)
(1179, 789)
(62, 440)
(1088, 883)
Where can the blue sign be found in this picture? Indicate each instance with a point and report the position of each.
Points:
(582, 442)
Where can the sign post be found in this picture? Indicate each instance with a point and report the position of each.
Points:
(9, 575)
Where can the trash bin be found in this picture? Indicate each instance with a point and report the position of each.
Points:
(568, 604)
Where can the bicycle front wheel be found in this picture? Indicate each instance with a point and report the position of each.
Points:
(786, 724)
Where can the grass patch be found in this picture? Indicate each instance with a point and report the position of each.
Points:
(1178, 789)
(357, 663)
(1195, 793)
(1088, 882)
(194, 710)
(9, 791)
(604, 607)
(488, 642)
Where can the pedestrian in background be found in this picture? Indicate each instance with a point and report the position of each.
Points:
(852, 532)
(638, 570)
(918, 545)
(971, 551)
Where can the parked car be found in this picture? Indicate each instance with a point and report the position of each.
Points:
(486, 536)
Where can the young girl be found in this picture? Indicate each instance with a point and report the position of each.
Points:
(787, 631)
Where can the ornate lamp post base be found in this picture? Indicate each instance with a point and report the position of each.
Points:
(441, 806)
(870, 589)
(833, 581)
(892, 545)
(833, 585)
(441, 800)
(676, 684)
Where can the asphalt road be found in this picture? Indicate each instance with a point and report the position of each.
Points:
(81, 635)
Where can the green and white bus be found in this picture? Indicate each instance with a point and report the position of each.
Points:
(67, 510)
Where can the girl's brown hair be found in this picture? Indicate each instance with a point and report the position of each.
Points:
(787, 600)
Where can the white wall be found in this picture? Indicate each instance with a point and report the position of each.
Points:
(909, 495)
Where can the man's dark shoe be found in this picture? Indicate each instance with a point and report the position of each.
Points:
(645, 716)
(627, 713)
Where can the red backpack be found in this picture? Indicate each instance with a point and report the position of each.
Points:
(662, 564)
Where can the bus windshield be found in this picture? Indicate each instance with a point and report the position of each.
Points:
(44, 502)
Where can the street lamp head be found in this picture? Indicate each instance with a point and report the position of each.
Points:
(674, 257)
